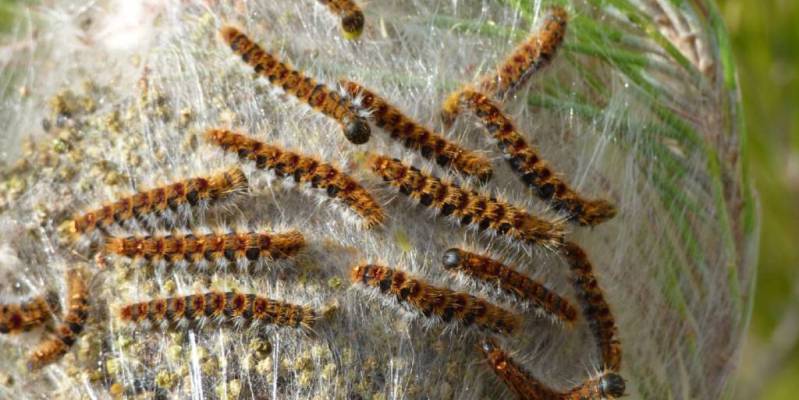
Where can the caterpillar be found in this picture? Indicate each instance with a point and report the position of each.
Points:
(524, 386)
(352, 19)
(24, 316)
(468, 207)
(527, 163)
(305, 89)
(211, 248)
(168, 202)
(446, 304)
(511, 281)
(606, 386)
(67, 332)
(413, 135)
(239, 309)
(302, 169)
(534, 54)
(595, 308)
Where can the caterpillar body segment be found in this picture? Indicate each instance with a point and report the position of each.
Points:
(26, 315)
(431, 301)
(484, 268)
(519, 381)
(70, 329)
(239, 309)
(527, 162)
(470, 208)
(596, 309)
(170, 203)
(417, 137)
(307, 90)
(607, 386)
(532, 55)
(303, 170)
(217, 249)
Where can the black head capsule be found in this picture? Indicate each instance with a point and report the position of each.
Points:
(612, 385)
(352, 25)
(357, 131)
(452, 258)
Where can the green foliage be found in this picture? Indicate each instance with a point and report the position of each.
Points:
(766, 45)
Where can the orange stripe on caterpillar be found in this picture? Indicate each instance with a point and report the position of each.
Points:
(303, 169)
(68, 332)
(222, 307)
(305, 89)
(511, 281)
(191, 192)
(469, 207)
(431, 301)
(352, 19)
(414, 136)
(595, 308)
(24, 316)
(253, 246)
(532, 55)
(526, 162)
(526, 387)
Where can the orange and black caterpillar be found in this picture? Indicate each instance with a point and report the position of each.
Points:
(351, 16)
(212, 248)
(432, 301)
(531, 168)
(607, 386)
(469, 207)
(305, 89)
(595, 308)
(302, 169)
(69, 330)
(169, 202)
(511, 281)
(524, 386)
(532, 55)
(417, 137)
(239, 309)
(24, 316)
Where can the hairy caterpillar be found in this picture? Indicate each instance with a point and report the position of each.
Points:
(211, 248)
(305, 89)
(69, 330)
(164, 202)
(608, 385)
(526, 161)
(525, 387)
(222, 307)
(595, 308)
(527, 58)
(351, 16)
(532, 55)
(515, 377)
(469, 207)
(431, 301)
(24, 316)
(511, 281)
(302, 169)
(414, 136)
